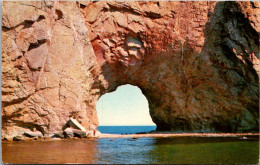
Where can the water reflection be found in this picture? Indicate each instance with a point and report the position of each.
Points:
(50, 152)
(125, 150)
(177, 150)
(180, 150)
(202, 150)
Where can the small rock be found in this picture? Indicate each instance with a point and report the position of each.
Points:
(68, 133)
(55, 139)
(244, 137)
(18, 138)
(58, 135)
(79, 133)
(8, 138)
(3, 138)
(33, 134)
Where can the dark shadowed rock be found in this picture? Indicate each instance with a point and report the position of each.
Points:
(58, 135)
(68, 133)
(79, 133)
(18, 138)
(36, 134)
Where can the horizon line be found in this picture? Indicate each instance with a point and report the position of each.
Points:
(126, 125)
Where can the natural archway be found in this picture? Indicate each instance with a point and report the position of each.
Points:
(126, 106)
(189, 85)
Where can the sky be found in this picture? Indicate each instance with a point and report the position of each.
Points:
(125, 106)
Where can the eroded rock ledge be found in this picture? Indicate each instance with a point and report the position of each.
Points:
(197, 63)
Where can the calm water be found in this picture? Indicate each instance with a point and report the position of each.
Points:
(125, 129)
(175, 150)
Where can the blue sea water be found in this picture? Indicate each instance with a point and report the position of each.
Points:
(125, 129)
(179, 150)
(174, 150)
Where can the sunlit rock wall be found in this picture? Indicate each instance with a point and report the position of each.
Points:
(197, 63)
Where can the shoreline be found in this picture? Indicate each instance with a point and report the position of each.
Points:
(144, 135)
(159, 135)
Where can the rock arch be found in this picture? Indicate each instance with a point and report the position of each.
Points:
(189, 85)
(196, 62)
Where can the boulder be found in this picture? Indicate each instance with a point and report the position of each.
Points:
(74, 124)
(68, 133)
(18, 138)
(79, 133)
(7, 138)
(36, 134)
(58, 135)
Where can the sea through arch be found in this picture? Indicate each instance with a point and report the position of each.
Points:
(125, 110)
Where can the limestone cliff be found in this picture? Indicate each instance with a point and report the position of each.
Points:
(197, 63)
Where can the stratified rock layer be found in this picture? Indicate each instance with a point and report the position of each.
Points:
(197, 63)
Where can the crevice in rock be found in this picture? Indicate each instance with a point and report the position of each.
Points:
(244, 22)
(82, 6)
(152, 15)
(15, 101)
(29, 23)
(59, 14)
(123, 8)
(6, 93)
(5, 29)
(238, 22)
(40, 89)
(14, 114)
(20, 67)
(37, 44)
(39, 8)
(41, 17)
(28, 125)
(25, 23)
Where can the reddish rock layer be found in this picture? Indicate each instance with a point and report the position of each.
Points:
(197, 63)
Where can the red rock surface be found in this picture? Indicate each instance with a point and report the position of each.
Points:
(197, 63)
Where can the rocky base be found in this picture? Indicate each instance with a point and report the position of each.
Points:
(73, 134)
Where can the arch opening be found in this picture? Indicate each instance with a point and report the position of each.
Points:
(127, 106)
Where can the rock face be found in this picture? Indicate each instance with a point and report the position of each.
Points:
(197, 63)
(46, 58)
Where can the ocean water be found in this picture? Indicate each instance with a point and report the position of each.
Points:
(126, 129)
(179, 150)
(174, 150)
